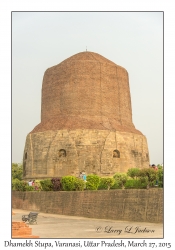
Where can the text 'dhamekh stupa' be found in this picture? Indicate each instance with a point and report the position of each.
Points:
(86, 122)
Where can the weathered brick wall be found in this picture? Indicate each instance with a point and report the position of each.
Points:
(22, 230)
(87, 87)
(88, 150)
(86, 91)
(127, 205)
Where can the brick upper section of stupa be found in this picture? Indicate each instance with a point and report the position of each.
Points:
(86, 91)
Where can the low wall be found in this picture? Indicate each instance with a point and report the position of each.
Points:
(128, 205)
(21, 230)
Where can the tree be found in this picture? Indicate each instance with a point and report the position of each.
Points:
(133, 172)
(68, 183)
(150, 174)
(121, 179)
(106, 183)
(46, 185)
(17, 171)
(93, 182)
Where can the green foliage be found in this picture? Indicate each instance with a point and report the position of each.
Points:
(151, 175)
(136, 183)
(37, 185)
(141, 178)
(160, 177)
(93, 182)
(79, 184)
(133, 172)
(106, 183)
(121, 179)
(160, 166)
(68, 183)
(15, 183)
(19, 185)
(30, 188)
(46, 185)
(72, 183)
(17, 171)
(117, 185)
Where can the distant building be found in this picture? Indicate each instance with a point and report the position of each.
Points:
(86, 122)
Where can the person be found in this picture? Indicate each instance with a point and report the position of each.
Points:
(84, 176)
(155, 168)
(30, 183)
(33, 183)
(81, 176)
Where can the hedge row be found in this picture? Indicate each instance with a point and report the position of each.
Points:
(134, 178)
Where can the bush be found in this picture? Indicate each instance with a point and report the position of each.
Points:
(19, 185)
(133, 172)
(68, 183)
(133, 183)
(17, 171)
(121, 179)
(160, 177)
(117, 185)
(30, 188)
(93, 182)
(56, 182)
(160, 166)
(46, 185)
(150, 174)
(106, 183)
(79, 184)
(14, 183)
(37, 185)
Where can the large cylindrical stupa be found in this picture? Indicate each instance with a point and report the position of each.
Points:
(86, 122)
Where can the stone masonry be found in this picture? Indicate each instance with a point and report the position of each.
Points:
(125, 205)
(21, 230)
(86, 122)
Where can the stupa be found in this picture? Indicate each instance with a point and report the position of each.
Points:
(86, 122)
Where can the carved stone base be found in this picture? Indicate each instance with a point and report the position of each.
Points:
(68, 152)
